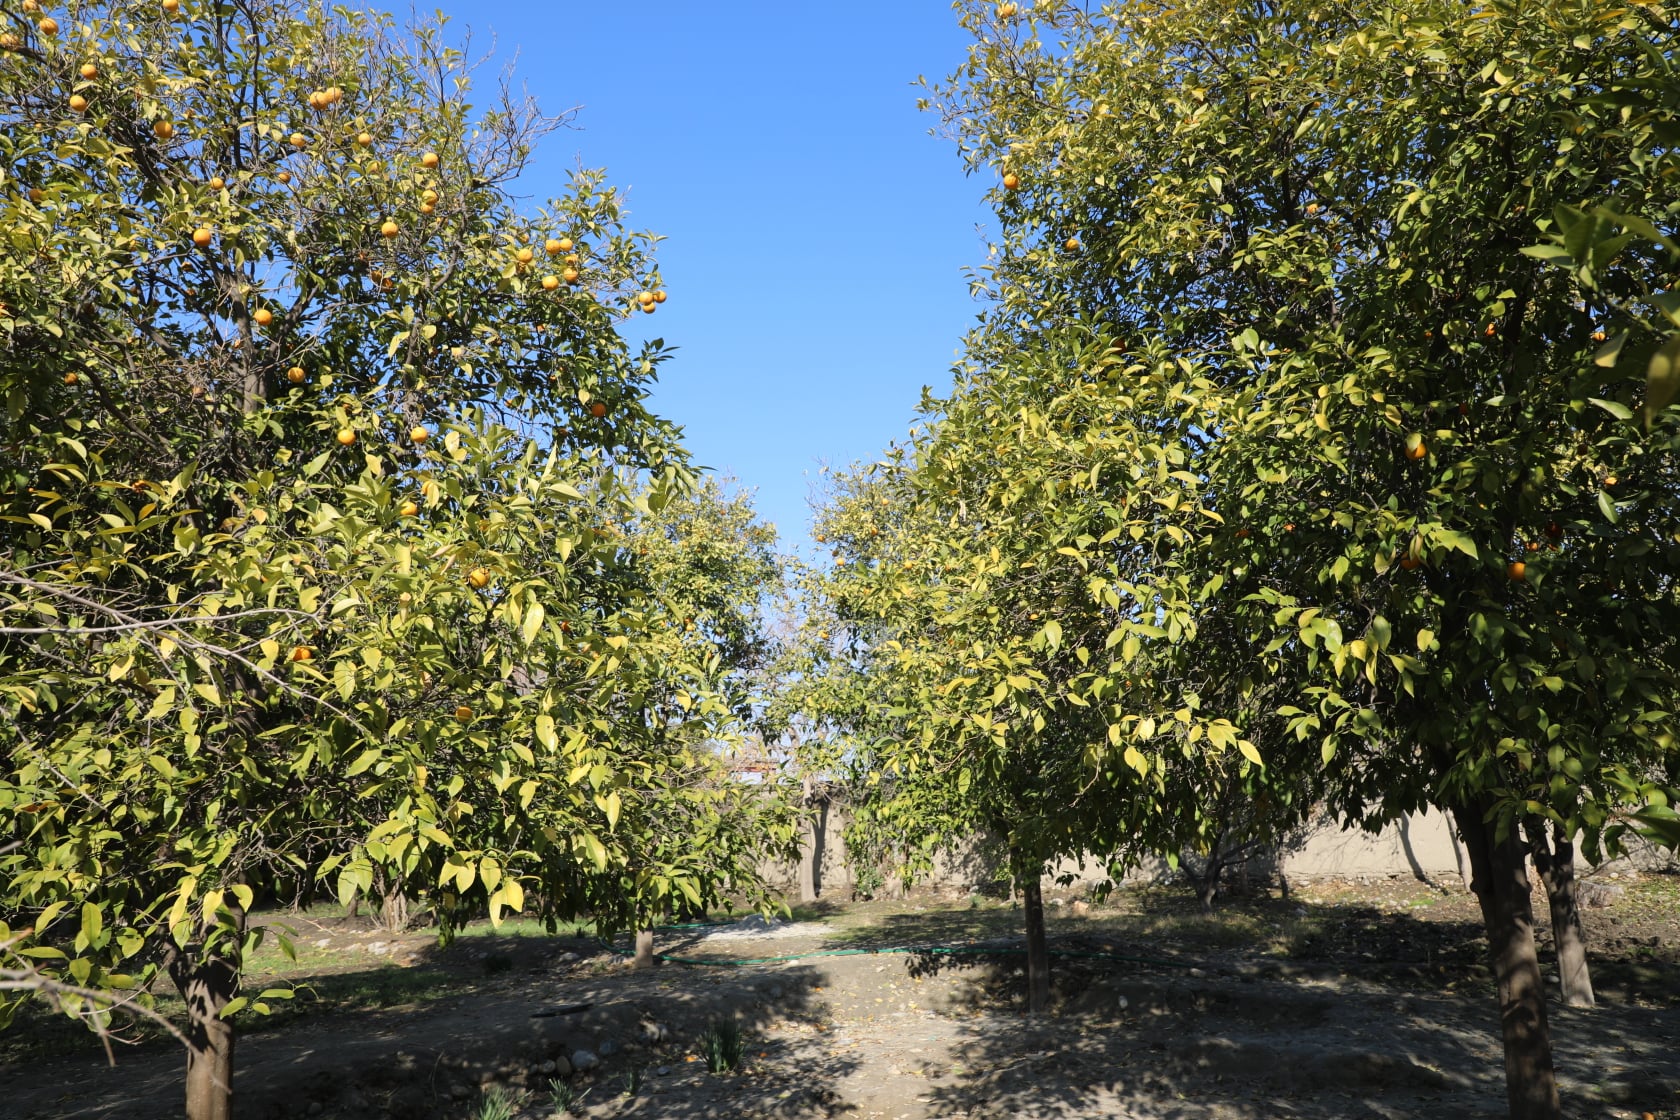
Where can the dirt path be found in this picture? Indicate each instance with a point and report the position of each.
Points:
(901, 1036)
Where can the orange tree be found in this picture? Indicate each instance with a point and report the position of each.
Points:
(1417, 513)
(314, 456)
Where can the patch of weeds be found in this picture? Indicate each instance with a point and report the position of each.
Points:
(721, 1045)
(564, 1097)
(496, 1104)
(632, 1081)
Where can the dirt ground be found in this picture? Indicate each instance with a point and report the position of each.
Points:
(1345, 1001)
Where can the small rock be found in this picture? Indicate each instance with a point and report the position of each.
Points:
(1124, 1003)
(546, 1069)
(562, 1067)
(583, 1061)
(607, 1049)
(776, 991)
(460, 1092)
(323, 942)
(663, 1071)
(1081, 908)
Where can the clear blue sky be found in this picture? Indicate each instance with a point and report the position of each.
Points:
(817, 235)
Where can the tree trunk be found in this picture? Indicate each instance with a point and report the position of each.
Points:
(206, 985)
(1038, 947)
(1556, 863)
(1499, 877)
(644, 948)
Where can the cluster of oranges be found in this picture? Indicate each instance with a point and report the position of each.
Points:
(324, 99)
(647, 301)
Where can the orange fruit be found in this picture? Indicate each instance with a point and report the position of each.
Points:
(89, 71)
(171, 6)
(550, 283)
(648, 307)
(365, 139)
(262, 316)
(9, 41)
(1599, 336)
(1242, 534)
(1516, 570)
(479, 577)
(302, 653)
(428, 208)
(463, 714)
(552, 247)
(1012, 182)
(201, 237)
(524, 255)
(428, 196)
(1417, 450)
(298, 140)
(163, 130)
(409, 508)
(598, 409)
(71, 378)
(417, 434)
(1532, 546)
(659, 296)
(1491, 330)
(430, 159)
(317, 99)
(346, 436)
(48, 26)
(390, 228)
(296, 375)
(1312, 207)
(217, 183)
(644, 297)
(570, 275)
(78, 103)
(284, 176)
(1409, 561)
(334, 94)
(1071, 244)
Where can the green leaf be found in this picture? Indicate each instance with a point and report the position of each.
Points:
(1615, 408)
(1662, 378)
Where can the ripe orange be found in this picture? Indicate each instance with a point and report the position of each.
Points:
(299, 140)
(346, 436)
(1610, 480)
(318, 99)
(598, 409)
(463, 714)
(334, 94)
(89, 71)
(430, 159)
(1071, 244)
(550, 283)
(1416, 451)
(1516, 570)
(428, 208)
(284, 177)
(71, 378)
(296, 375)
(647, 308)
(1599, 336)
(36, 194)
(417, 434)
(1012, 182)
(1242, 534)
(365, 139)
(48, 26)
(9, 41)
(1409, 561)
(524, 255)
(1289, 526)
(262, 316)
(389, 228)
(644, 297)
(552, 247)
(201, 237)
(1491, 330)
(479, 577)
(171, 6)
(409, 508)
(428, 196)
(1532, 546)
(163, 130)
(31, 6)
(302, 653)
(217, 182)
(78, 103)
(570, 275)
(659, 296)
(1312, 207)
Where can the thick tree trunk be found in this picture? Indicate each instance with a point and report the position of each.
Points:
(1556, 863)
(1038, 947)
(206, 986)
(1499, 877)
(644, 948)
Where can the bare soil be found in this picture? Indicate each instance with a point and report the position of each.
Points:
(1345, 1001)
